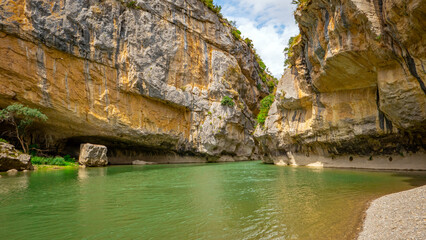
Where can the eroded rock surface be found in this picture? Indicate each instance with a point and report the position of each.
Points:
(12, 159)
(355, 86)
(148, 75)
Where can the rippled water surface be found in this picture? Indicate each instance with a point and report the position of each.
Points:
(246, 200)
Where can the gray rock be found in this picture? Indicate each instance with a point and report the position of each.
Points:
(12, 171)
(92, 155)
(140, 162)
(10, 158)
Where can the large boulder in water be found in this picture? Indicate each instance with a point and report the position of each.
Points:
(93, 155)
(10, 158)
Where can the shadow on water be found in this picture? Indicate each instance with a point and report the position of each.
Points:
(414, 178)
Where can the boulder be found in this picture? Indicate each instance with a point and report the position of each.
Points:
(12, 172)
(92, 155)
(10, 158)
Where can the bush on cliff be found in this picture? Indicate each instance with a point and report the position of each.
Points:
(215, 8)
(265, 105)
(288, 51)
(236, 33)
(227, 101)
(21, 118)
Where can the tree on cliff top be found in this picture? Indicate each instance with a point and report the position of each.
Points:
(21, 118)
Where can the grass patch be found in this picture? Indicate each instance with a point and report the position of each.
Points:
(3, 140)
(57, 161)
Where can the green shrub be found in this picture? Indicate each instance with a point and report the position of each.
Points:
(58, 161)
(288, 51)
(236, 33)
(265, 105)
(131, 4)
(215, 8)
(262, 76)
(3, 140)
(70, 159)
(271, 85)
(249, 42)
(227, 101)
(262, 65)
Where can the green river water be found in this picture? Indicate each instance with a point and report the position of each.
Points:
(246, 200)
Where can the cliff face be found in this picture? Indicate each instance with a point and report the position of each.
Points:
(355, 90)
(142, 75)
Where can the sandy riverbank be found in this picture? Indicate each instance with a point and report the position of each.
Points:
(396, 216)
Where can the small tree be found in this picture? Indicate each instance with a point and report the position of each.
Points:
(21, 118)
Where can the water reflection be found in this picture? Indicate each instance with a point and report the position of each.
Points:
(219, 201)
(14, 182)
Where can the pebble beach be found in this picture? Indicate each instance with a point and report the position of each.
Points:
(396, 216)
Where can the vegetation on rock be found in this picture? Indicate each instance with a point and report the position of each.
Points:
(265, 105)
(288, 51)
(21, 118)
(236, 33)
(227, 101)
(249, 42)
(215, 8)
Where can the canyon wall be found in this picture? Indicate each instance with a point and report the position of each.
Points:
(354, 95)
(145, 78)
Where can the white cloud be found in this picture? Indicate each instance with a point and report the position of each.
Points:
(269, 23)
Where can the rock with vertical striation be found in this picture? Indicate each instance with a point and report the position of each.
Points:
(92, 155)
(129, 76)
(355, 87)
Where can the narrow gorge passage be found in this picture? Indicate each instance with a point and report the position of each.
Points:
(100, 100)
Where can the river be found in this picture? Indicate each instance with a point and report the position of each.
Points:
(245, 200)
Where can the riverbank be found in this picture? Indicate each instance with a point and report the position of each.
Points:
(396, 216)
(398, 162)
(53, 167)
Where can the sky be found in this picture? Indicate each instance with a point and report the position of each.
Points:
(269, 23)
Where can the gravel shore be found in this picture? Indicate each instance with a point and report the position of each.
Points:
(397, 216)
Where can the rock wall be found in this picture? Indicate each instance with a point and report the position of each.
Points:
(142, 75)
(355, 91)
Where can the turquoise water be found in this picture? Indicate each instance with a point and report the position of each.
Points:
(246, 200)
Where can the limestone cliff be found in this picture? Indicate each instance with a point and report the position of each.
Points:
(355, 92)
(144, 78)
